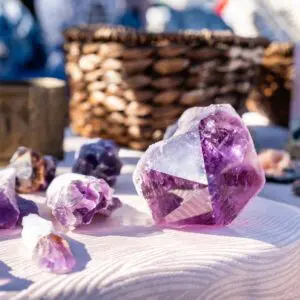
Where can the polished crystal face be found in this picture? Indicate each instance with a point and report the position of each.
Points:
(204, 172)
(34, 172)
(74, 199)
(99, 159)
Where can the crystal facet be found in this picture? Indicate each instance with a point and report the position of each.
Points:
(34, 172)
(99, 159)
(50, 251)
(9, 210)
(204, 172)
(74, 199)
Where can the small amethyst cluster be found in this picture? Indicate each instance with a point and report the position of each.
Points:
(34, 172)
(100, 159)
(74, 199)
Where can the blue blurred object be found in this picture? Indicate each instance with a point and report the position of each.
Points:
(163, 17)
(131, 18)
(195, 19)
(20, 43)
(57, 15)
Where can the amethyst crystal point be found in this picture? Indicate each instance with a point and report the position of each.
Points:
(205, 172)
(50, 251)
(53, 254)
(74, 199)
(9, 211)
(33, 171)
(99, 159)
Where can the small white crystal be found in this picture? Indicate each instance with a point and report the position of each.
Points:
(34, 228)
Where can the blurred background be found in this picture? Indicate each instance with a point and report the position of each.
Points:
(31, 40)
(115, 84)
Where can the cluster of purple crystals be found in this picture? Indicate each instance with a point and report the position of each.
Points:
(34, 172)
(204, 172)
(99, 159)
(74, 199)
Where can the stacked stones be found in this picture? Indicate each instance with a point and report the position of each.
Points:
(129, 86)
(272, 94)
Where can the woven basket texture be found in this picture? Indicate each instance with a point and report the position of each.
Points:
(129, 86)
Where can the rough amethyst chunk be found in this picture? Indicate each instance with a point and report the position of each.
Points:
(74, 199)
(34, 172)
(99, 159)
(9, 210)
(49, 250)
(205, 172)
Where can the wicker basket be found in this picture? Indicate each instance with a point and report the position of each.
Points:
(32, 114)
(272, 94)
(129, 86)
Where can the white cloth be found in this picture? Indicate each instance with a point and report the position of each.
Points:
(127, 257)
(275, 19)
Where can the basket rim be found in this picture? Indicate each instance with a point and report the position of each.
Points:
(112, 33)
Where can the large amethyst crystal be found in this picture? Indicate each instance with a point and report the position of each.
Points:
(74, 199)
(99, 159)
(205, 172)
(34, 172)
(49, 250)
(9, 210)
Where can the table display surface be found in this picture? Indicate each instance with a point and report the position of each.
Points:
(127, 257)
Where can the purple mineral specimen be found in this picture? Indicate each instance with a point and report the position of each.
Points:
(204, 173)
(99, 159)
(50, 251)
(74, 199)
(9, 210)
(34, 172)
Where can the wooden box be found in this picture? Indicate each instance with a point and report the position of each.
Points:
(32, 114)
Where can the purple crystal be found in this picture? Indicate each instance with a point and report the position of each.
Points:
(99, 159)
(34, 172)
(74, 199)
(9, 211)
(50, 251)
(204, 173)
